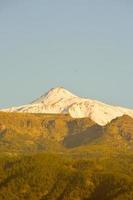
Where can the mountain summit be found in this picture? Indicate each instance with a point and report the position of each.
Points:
(54, 95)
(60, 100)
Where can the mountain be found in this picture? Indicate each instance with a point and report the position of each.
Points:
(59, 100)
(62, 146)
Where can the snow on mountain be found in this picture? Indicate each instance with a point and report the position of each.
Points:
(59, 100)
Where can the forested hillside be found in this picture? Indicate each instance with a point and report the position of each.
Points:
(62, 177)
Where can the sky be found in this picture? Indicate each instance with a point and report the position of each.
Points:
(85, 46)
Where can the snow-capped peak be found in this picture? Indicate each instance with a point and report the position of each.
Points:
(60, 100)
(55, 94)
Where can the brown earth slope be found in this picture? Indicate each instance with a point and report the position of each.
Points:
(119, 132)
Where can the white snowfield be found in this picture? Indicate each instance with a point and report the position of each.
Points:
(59, 100)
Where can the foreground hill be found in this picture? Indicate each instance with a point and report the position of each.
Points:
(61, 177)
(59, 100)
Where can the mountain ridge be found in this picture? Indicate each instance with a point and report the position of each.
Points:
(59, 100)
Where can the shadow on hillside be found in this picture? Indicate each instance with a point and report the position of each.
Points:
(84, 137)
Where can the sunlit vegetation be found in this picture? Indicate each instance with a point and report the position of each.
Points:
(53, 177)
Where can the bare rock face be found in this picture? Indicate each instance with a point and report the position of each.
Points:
(59, 100)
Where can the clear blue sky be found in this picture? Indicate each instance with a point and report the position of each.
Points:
(85, 46)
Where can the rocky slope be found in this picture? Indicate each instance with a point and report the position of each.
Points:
(30, 132)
